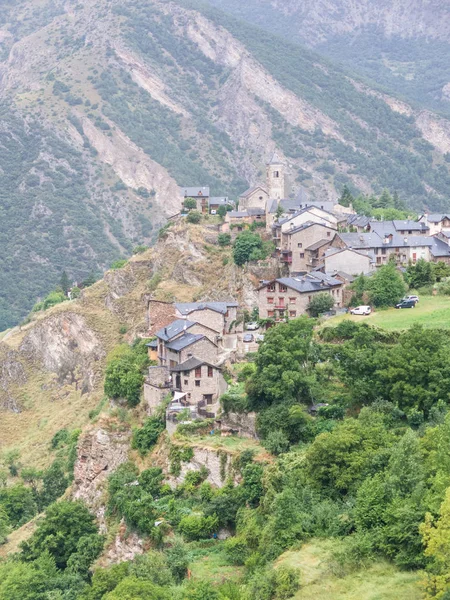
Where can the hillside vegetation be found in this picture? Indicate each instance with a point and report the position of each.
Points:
(109, 106)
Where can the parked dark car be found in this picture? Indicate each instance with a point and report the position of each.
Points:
(406, 304)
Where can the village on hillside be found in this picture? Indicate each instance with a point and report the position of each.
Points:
(320, 247)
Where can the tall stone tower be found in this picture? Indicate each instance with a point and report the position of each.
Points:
(275, 178)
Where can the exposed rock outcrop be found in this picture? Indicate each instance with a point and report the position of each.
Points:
(64, 344)
(101, 449)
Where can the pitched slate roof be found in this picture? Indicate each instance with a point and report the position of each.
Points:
(358, 220)
(306, 226)
(221, 307)
(318, 244)
(152, 344)
(252, 190)
(219, 200)
(195, 192)
(254, 212)
(187, 339)
(311, 282)
(436, 217)
(275, 160)
(410, 226)
(173, 329)
(192, 363)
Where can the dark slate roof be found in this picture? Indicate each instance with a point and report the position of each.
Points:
(192, 363)
(272, 209)
(238, 214)
(382, 227)
(311, 282)
(251, 190)
(306, 226)
(361, 240)
(152, 344)
(333, 251)
(219, 200)
(445, 233)
(175, 328)
(275, 160)
(220, 307)
(439, 248)
(195, 192)
(358, 220)
(318, 244)
(187, 339)
(410, 226)
(254, 212)
(436, 217)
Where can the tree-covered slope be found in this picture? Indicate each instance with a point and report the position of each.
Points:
(109, 106)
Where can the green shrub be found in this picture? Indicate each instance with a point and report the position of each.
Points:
(224, 239)
(194, 217)
(146, 436)
(198, 527)
(118, 264)
(236, 550)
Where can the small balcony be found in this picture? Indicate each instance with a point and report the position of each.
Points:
(286, 256)
(280, 306)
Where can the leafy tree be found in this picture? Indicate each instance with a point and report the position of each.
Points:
(440, 270)
(132, 588)
(337, 461)
(4, 525)
(178, 560)
(18, 503)
(247, 246)
(420, 274)
(89, 548)
(190, 203)
(198, 527)
(222, 211)
(386, 287)
(124, 372)
(320, 303)
(194, 217)
(59, 532)
(284, 365)
(54, 484)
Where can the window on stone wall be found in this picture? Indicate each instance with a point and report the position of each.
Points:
(197, 383)
(210, 371)
(276, 174)
(292, 313)
(270, 300)
(198, 371)
(186, 382)
(302, 255)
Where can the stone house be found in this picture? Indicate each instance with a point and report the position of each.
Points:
(186, 346)
(302, 248)
(240, 219)
(157, 385)
(220, 317)
(435, 222)
(202, 382)
(290, 296)
(216, 202)
(347, 260)
(199, 194)
(254, 197)
(405, 250)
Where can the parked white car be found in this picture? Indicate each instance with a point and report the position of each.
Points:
(410, 299)
(361, 310)
(252, 326)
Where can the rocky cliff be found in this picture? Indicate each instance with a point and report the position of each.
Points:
(52, 369)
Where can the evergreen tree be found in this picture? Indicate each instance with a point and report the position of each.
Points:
(346, 197)
(64, 283)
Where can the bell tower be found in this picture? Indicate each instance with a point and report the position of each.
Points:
(275, 178)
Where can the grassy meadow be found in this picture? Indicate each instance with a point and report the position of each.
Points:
(431, 311)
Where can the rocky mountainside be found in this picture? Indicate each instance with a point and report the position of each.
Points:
(52, 369)
(403, 46)
(109, 106)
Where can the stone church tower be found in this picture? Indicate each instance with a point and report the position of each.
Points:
(275, 178)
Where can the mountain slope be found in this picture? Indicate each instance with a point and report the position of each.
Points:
(109, 106)
(404, 46)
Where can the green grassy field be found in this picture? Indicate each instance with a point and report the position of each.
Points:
(380, 581)
(431, 311)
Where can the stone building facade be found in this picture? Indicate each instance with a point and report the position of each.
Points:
(291, 296)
